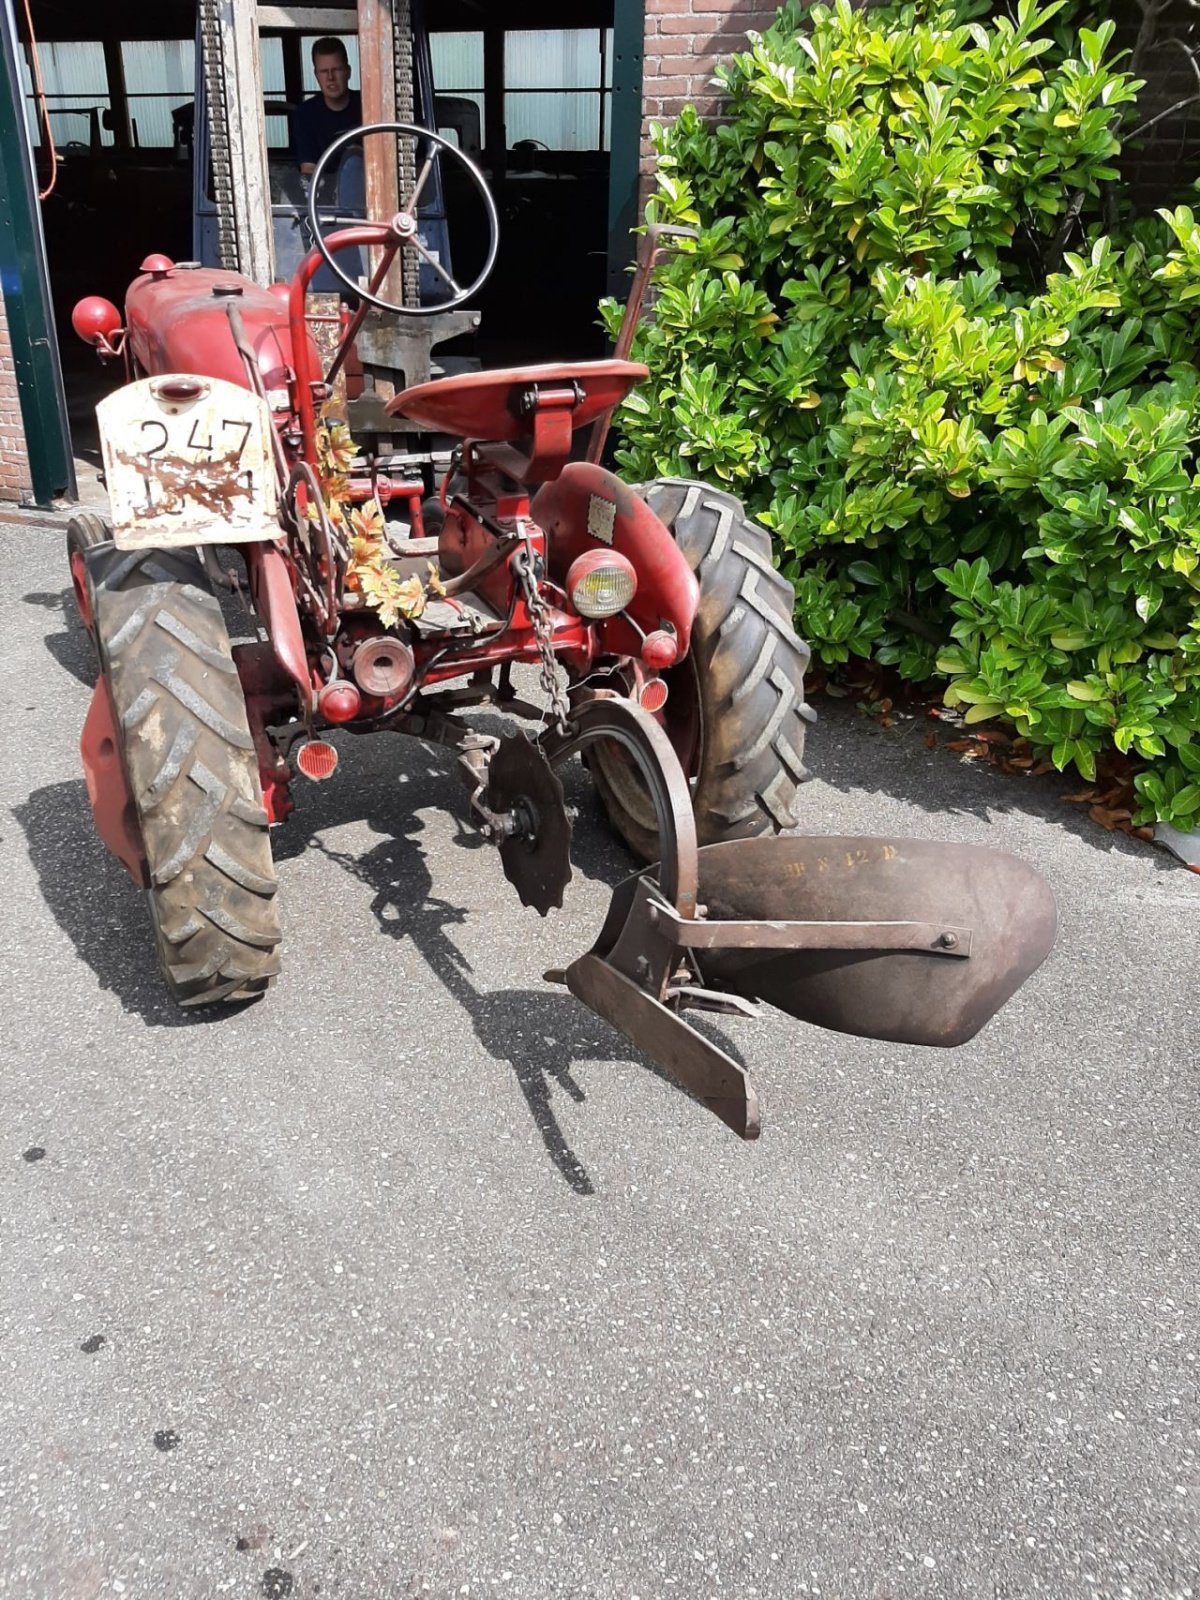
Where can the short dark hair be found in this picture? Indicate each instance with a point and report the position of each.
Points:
(329, 46)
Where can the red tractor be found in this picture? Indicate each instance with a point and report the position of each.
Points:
(661, 631)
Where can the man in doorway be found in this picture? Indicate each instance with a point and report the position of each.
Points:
(322, 117)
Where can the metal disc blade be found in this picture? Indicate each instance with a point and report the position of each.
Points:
(537, 862)
(908, 996)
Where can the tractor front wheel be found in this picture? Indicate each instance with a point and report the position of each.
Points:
(192, 773)
(86, 531)
(735, 710)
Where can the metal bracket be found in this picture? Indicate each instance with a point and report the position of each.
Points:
(922, 938)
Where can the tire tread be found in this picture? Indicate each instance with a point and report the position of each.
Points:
(189, 760)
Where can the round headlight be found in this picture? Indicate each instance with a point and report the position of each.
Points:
(601, 583)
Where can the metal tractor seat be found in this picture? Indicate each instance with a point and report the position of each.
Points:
(539, 407)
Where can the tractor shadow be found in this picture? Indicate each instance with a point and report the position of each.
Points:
(69, 645)
(542, 1035)
(95, 903)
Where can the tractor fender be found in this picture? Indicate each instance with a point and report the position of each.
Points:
(275, 602)
(586, 507)
(107, 786)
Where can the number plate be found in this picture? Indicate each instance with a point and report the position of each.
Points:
(188, 469)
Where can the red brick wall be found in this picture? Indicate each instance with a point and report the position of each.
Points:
(685, 39)
(14, 461)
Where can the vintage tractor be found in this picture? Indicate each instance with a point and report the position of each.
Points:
(661, 631)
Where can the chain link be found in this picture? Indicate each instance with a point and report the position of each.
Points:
(539, 614)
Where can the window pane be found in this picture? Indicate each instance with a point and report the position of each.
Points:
(159, 66)
(565, 121)
(553, 58)
(451, 123)
(271, 52)
(75, 79)
(71, 69)
(71, 119)
(457, 62)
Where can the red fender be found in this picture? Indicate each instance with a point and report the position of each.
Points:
(587, 508)
(112, 804)
(275, 602)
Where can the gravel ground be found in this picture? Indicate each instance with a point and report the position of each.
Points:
(410, 1281)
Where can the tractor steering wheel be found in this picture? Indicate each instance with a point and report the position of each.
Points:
(402, 229)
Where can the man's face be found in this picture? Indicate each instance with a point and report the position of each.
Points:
(333, 78)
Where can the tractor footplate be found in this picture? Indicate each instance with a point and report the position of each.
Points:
(531, 821)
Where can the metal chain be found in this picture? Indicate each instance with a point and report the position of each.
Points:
(539, 615)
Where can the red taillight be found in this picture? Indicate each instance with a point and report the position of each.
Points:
(179, 389)
(317, 760)
(339, 702)
(660, 649)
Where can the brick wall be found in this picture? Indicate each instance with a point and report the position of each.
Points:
(14, 462)
(685, 39)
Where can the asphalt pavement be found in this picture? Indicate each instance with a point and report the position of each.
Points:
(412, 1280)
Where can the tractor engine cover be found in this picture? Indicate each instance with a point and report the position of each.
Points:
(178, 322)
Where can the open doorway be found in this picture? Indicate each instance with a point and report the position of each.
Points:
(529, 99)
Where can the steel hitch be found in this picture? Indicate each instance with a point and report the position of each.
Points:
(910, 941)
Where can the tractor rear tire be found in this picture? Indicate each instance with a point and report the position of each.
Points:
(190, 765)
(86, 531)
(736, 712)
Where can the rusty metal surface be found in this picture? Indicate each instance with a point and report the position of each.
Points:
(928, 938)
(690, 1058)
(902, 996)
(188, 471)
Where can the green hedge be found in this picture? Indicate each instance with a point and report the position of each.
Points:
(915, 338)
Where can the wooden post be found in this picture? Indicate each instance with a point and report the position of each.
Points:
(238, 131)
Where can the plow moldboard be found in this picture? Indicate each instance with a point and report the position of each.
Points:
(909, 997)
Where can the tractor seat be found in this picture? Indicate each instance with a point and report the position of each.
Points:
(503, 405)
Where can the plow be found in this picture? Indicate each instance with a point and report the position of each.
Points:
(658, 627)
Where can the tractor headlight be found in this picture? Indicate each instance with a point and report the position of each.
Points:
(601, 583)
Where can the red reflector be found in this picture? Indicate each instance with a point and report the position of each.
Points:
(317, 760)
(653, 696)
(180, 388)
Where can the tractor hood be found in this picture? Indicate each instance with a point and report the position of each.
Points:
(178, 322)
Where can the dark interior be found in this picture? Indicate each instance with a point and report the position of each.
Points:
(115, 199)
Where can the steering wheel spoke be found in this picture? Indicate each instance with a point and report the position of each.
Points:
(320, 218)
(436, 265)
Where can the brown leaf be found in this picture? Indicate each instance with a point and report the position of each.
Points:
(1107, 817)
(964, 744)
(1078, 799)
(1045, 765)
(931, 741)
(993, 738)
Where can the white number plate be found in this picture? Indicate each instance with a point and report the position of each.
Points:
(188, 468)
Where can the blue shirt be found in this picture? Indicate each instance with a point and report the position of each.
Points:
(314, 127)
